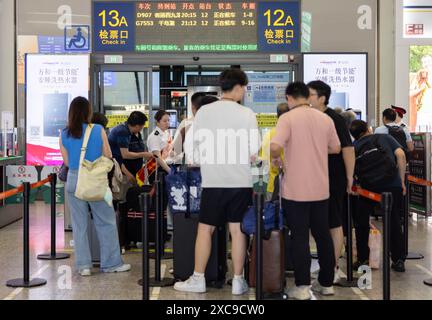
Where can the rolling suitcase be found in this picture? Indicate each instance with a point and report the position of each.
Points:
(185, 232)
(93, 241)
(273, 252)
(134, 216)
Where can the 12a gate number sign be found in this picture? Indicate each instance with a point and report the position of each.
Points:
(278, 18)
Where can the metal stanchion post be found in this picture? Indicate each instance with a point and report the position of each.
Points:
(144, 282)
(350, 281)
(258, 205)
(409, 255)
(158, 281)
(164, 255)
(53, 255)
(26, 282)
(386, 203)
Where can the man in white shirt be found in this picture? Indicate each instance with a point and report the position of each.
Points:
(392, 127)
(226, 140)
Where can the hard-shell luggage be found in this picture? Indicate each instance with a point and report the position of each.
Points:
(185, 233)
(93, 241)
(273, 252)
(134, 216)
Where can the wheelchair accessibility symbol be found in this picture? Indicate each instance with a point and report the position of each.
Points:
(77, 38)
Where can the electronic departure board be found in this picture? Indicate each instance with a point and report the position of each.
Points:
(198, 26)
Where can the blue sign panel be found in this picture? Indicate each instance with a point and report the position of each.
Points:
(113, 26)
(50, 45)
(279, 26)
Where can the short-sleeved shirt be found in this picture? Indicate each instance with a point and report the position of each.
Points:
(390, 145)
(337, 172)
(119, 138)
(73, 146)
(385, 130)
(225, 139)
(136, 144)
(306, 135)
(159, 140)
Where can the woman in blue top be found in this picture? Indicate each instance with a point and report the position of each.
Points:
(71, 140)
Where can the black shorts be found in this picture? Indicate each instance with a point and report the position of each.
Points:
(221, 205)
(337, 205)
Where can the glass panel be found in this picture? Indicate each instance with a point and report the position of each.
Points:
(124, 88)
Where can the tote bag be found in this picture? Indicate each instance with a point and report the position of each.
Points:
(92, 181)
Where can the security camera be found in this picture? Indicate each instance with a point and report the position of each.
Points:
(196, 58)
(291, 58)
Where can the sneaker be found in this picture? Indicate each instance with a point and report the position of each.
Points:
(239, 287)
(85, 272)
(358, 264)
(122, 268)
(337, 276)
(193, 284)
(299, 293)
(398, 266)
(324, 291)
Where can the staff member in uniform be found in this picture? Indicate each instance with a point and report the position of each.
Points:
(159, 141)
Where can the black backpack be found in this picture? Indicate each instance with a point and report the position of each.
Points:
(399, 134)
(374, 166)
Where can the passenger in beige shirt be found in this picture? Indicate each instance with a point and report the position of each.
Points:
(307, 137)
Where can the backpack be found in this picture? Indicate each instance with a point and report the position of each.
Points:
(399, 134)
(374, 166)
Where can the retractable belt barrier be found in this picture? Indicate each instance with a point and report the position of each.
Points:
(25, 282)
(145, 281)
(386, 200)
(419, 181)
(157, 281)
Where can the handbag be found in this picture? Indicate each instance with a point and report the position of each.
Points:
(92, 183)
(184, 190)
(272, 211)
(63, 172)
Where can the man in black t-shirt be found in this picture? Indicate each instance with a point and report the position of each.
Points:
(395, 184)
(341, 168)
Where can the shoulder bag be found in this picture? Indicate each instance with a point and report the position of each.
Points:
(92, 183)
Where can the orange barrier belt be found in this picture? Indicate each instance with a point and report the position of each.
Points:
(419, 181)
(11, 193)
(20, 189)
(40, 183)
(367, 194)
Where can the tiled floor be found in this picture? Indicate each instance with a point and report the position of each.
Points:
(65, 284)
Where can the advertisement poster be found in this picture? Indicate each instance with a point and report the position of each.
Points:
(52, 82)
(266, 90)
(346, 74)
(420, 108)
(417, 16)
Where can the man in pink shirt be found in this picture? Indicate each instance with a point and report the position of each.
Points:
(307, 137)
